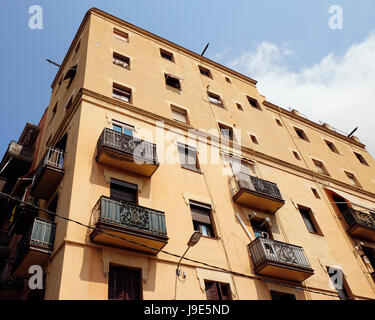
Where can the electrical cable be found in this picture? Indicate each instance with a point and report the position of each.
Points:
(4, 195)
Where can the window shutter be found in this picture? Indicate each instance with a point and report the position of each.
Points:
(225, 291)
(200, 212)
(212, 292)
(124, 284)
(122, 190)
(179, 115)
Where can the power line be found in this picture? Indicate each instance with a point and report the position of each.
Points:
(4, 195)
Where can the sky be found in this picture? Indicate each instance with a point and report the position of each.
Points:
(288, 46)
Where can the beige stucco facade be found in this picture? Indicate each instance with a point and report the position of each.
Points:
(78, 268)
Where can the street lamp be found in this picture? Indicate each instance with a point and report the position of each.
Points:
(192, 242)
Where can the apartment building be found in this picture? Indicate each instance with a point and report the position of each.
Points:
(145, 143)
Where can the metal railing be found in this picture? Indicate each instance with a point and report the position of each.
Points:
(53, 158)
(356, 217)
(129, 215)
(263, 249)
(140, 150)
(247, 182)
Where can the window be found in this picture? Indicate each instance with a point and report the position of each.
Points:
(361, 158)
(71, 73)
(123, 128)
(166, 55)
(201, 216)
(206, 72)
(320, 167)
(239, 106)
(261, 228)
(279, 122)
(226, 132)
(121, 60)
(121, 35)
(253, 102)
(179, 114)
(352, 178)
(54, 110)
(123, 191)
(338, 280)
(315, 192)
(172, 81)
(217, 290)
(228, 80)
(296, 155)
(276, 295)
(215, 99)
(309, 220)
(332, 147)
(188, 157)
(122, 93)
(254, 139)
(301, 134)
(124, 283)
(69, 104)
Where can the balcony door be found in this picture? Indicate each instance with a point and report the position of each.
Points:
(124, 284)
(124, 191)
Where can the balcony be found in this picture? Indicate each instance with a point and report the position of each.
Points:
(131, 221)
(17, 160)
(361, 224)
(35, 247)
(125, 152)
(49, 174)
(23, 218)
(279, 260)
(256, 193)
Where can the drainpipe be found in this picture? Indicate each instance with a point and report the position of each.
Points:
(244, 227)
(5, 165)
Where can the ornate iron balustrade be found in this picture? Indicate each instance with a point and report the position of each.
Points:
(129, 215)
(247, 182)
(354, 217)
(40, 236)
(141, 151)
(262, 249)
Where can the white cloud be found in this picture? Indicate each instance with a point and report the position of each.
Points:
(339, 90)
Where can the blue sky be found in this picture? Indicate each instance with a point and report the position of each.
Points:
(292, 34)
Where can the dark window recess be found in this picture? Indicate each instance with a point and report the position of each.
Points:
(279, 122)
(253, 102)
(124, 284)
(254, 139)
(215, 99)
(122, 93)
(361, 159)
(166, 55)
(121, 60)
(340, 203)
(338, 281)
(188, 157)
(61, 145)
(296, 155)
(201, 215)
(69, 104)
(370, 254)
(276, 295)
(121, 190)
(332, 147)
(261, 229)
(226, 132)
(172, 81)
(316, 193)
(301, 134)
(217, 291)
(206, 72)
(307, 218)
(71, 75)
(228, 80)
(239, 106)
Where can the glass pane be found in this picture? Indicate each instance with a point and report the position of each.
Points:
(117, 128)
(128, 131)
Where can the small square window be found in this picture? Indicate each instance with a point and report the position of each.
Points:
(332, 147)
(254, 139)
(279, 122)
(301, 134)
(166, 55)
(296, 155)
(228, 80)
(316, 193)
(121, 60)
(206, 72)
(361, 159)
(179, 114)
(253, 102)
(122, 93)
(352, 178)
(123, 128)
(226, 132)
(215, 99)
(172, 81)
(239, 106)
(320, 167)
(121, 35)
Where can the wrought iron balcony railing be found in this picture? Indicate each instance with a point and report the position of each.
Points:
(265, 252)
(355, 217)
(141, 151)
(125, 214)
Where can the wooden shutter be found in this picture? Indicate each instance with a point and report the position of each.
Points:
(200, 212)
(179, 115)
(124, 284)
(212, 292)
(275, 295)
(122, 190)
(225, 291)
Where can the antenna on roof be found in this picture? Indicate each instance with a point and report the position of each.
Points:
(56, 64)
(351, 133)
(205, 49)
